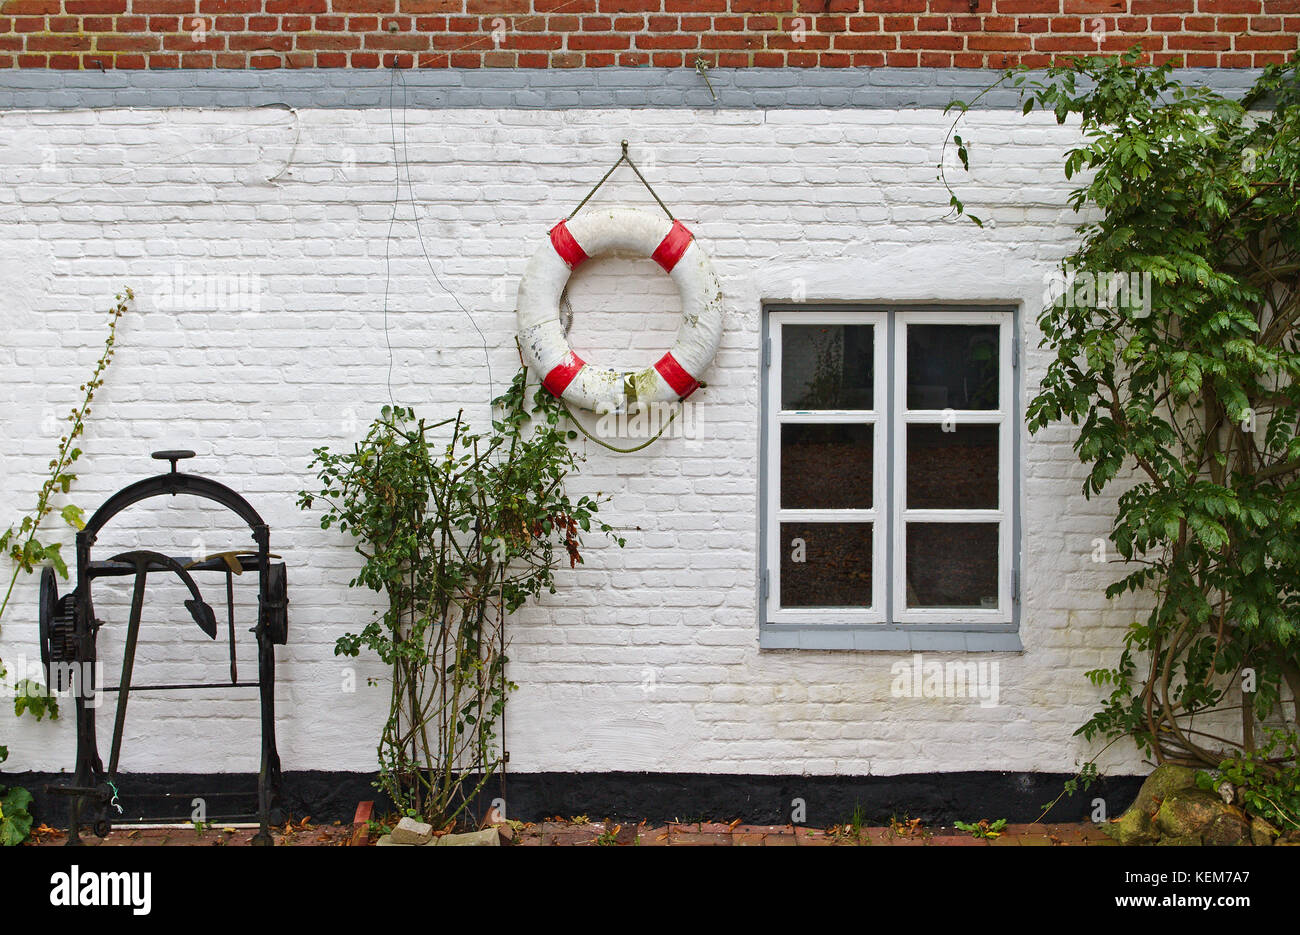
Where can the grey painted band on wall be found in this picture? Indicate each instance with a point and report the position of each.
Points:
(532, 89)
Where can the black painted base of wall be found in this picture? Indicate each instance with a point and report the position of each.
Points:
(936, 798)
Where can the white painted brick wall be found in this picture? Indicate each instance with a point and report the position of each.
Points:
(647, 658)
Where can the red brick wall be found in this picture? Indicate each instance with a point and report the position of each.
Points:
(664, 33)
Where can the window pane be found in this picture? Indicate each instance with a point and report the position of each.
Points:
(826, 467)
(952, 366)
(952, 565)
(825, 564)
(955, 470)
(827, 366)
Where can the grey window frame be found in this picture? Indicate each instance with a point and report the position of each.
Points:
(890, 635)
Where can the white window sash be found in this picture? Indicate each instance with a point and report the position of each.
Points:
(775, 515)
(889, 592)
(1000, 417)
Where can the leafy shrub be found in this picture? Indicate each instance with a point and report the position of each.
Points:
(1267, 780)
(1187, 394)
(15, 819)
(459, 530)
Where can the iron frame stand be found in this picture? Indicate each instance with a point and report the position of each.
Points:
(92, 790)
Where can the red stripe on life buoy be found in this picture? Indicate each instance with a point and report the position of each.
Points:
(675, 375)
(672, 247)
(570, 250)
(562, 374)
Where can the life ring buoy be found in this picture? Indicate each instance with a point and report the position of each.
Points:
(541, 334)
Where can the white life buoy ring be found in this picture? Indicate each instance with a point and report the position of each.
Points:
(541, 334)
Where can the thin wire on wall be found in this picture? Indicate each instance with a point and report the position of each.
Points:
(415, 218)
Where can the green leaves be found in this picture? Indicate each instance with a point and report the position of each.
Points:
(35, 699)
(982, 828)
(1266, 781)
(74, 516)
(15, 819)
(458, 530)
(20, 542)
(961, 152)
(1193, 391)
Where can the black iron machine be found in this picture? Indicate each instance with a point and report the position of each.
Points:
(69, 628)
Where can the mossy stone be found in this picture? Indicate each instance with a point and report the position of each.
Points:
(1134, 827)
(1189, 811)
(1261, 832)
(1230, 828)
(1163, 782)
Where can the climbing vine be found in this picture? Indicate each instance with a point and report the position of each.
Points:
(1175, 353)
(459, 530)
(27, 552)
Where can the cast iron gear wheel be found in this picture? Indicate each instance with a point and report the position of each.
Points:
(58, 632)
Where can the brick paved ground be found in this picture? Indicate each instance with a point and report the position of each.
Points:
(550, 833)
(739, 835)
(324, 836)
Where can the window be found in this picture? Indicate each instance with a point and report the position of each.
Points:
(889, 495)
